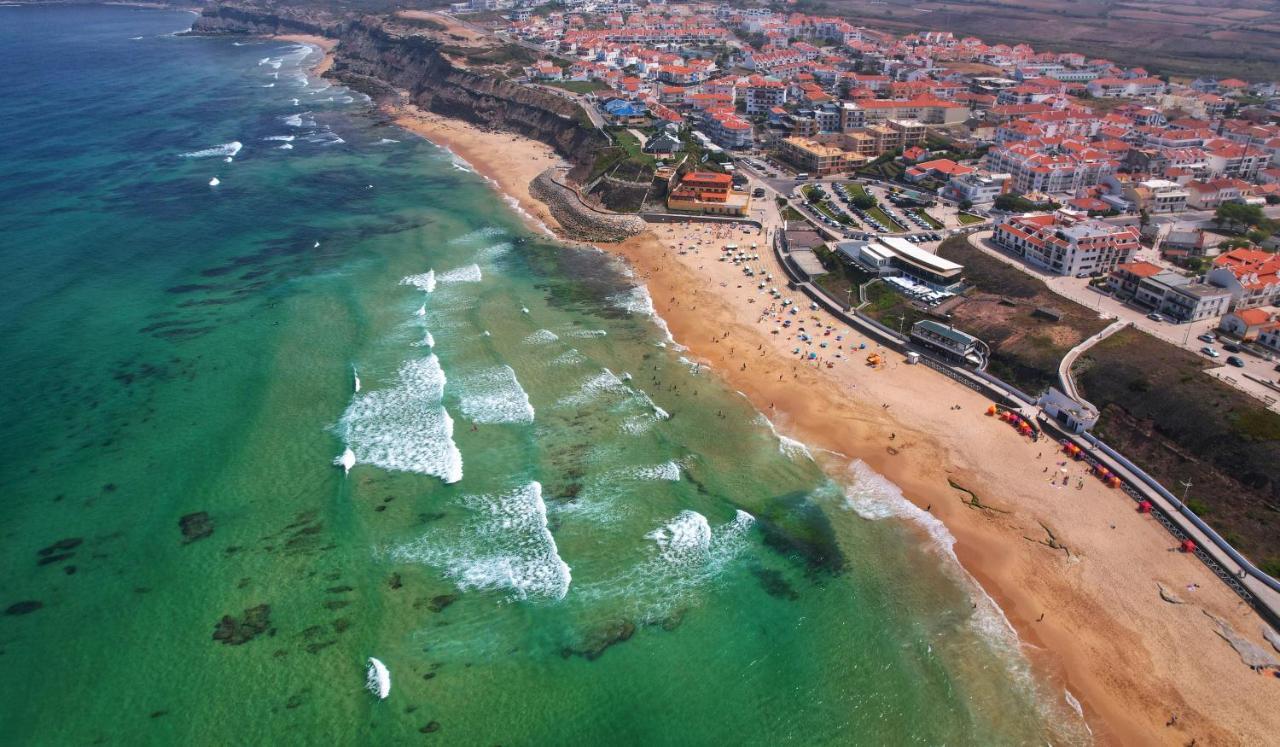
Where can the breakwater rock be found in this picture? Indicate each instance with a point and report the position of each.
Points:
(579, 220)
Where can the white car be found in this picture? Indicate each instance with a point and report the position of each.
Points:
(1209, 351)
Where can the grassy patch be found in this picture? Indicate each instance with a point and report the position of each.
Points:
(790, 213)
(893, 225)
(1000, 308)
(625, 155)
(835, 215)
(1178, 423)
(933, 222)
(578, 86)
(968, 219)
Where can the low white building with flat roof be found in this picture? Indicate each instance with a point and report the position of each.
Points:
(891, 255)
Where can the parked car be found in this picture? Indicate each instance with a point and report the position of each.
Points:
(1235, 361)
(1155, 317)
(1209, 351)
(1231, 347)
(1207, 337)
(758, 192)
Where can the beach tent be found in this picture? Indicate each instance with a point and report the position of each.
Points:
(1144, 507)
(1188, 546)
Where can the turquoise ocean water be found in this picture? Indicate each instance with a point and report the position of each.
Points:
(556, 531)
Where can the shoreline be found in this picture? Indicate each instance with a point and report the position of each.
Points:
(1088, 621)
(325, 44)
(507, 161)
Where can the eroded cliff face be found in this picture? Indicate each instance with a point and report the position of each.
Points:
(387, 59)
(227, 19)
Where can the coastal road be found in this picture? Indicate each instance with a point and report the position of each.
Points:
(587, 105)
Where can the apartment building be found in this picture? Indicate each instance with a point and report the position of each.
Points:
(926, 109)
(1181, 299)
(817, 158)
(1068, 243)
(1225, 158)
(728, 129)
(763, 94)
(1159, 196)
(1112, 88)
(1251, 275)
(1051, 169)
(978, 187)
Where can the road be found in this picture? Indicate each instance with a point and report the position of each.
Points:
(1201, 218)
(587, 104)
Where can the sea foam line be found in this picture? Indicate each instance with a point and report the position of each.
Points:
(872, 496)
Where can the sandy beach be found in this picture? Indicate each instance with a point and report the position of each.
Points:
(1087, 610)
(324, 43)
(508, 160)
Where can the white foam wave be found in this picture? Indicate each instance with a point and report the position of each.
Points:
(269, 85)
(638, 301)
(386, 141)
(585, 333)
(425, 281)
(284, 138)
(667, 471)
(570, 357)
(603, 382)
(542, 336)
(225, 150)
(508, 546)
(685, 540)
(494, 395)
(405, 428)
(480, 234)
(493, 252)
(688, 553)
(286, 146)
(788, 447)
(467, 274)
(378, 679)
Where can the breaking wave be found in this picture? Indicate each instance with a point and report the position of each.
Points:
(506, 546)
(467, 274)
(541, 336)
(425, 281)
(405, 428)
(226, 150)
(494, 395)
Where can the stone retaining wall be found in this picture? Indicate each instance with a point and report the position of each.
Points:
(580, 220)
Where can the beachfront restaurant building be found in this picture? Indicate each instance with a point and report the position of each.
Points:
(708, 192)
(949, 343)
(889, 256)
